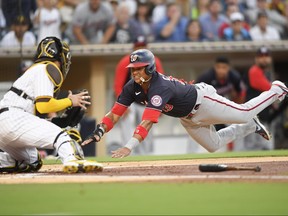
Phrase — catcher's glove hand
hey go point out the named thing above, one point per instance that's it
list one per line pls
(95, 136)
(72, 115)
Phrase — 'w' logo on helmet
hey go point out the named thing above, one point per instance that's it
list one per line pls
(133, 58)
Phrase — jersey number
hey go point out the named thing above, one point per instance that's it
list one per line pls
(170, 78)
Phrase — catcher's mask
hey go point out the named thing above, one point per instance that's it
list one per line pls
(143, 58)
(51, 48)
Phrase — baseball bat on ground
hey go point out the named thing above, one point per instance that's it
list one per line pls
(223, 167)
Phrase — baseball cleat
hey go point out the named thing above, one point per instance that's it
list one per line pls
(85, 166)
(261, 129)
(283, 87)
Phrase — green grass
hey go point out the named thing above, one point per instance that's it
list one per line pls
(274, 153)
(233, 198)
(145, 199)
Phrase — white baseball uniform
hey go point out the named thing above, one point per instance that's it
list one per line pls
(199, 108)
(215, 109)
(21, 132)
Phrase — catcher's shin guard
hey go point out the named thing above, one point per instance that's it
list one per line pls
(78, 151)
(21, 167)
(67, 148)
(27, 168)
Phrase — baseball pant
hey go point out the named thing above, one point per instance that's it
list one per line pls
(21, 133)
(215, 109)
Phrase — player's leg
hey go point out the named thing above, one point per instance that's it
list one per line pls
(16, 157)
(20, 160)
(212, 140)
(9, 165)
(69, 151)
(23, 130)
(215, 109)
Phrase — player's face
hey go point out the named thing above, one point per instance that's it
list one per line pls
(264, 61)
(94, 4)
(137, 73)
(222, 70)
(20, 30)
(237, 26)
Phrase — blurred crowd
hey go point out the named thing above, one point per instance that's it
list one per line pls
(26, 22)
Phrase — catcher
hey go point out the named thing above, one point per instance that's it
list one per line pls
(22, 131)
(68, 119)
(198, 106)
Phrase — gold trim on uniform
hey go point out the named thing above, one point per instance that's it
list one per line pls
(54, 74)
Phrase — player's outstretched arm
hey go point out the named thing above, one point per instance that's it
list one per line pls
(107, 123)
(50, 104)
(140, 133)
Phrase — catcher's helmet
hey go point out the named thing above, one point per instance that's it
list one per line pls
(143, 58)
(52, 48)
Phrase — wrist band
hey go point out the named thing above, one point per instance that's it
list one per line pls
(141, 131)
(108, 122)
(132, 143)
(118, 109)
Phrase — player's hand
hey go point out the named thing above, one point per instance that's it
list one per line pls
(81, 99)
(121, 152)
(90, 139)
(95, 136)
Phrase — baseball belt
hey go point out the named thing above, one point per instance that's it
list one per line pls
(4, 110)
(20, 93)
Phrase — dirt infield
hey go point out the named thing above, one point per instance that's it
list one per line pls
(272, 169)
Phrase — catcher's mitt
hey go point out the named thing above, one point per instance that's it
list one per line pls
(71, 117)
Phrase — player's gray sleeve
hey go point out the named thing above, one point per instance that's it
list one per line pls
(80, 14)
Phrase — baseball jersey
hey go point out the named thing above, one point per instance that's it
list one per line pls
(35, 83)
(166, 94)
(49, 24)
(257, 81)
(93, 24)
(10, 40)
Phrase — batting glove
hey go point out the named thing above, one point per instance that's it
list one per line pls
(99, 132)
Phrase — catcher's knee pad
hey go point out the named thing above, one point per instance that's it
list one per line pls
(75, 135)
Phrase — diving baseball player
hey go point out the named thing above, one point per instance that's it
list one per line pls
(22, 132)
(198, 106)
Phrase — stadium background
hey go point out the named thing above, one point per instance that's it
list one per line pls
(93, 68)
(237, 193)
